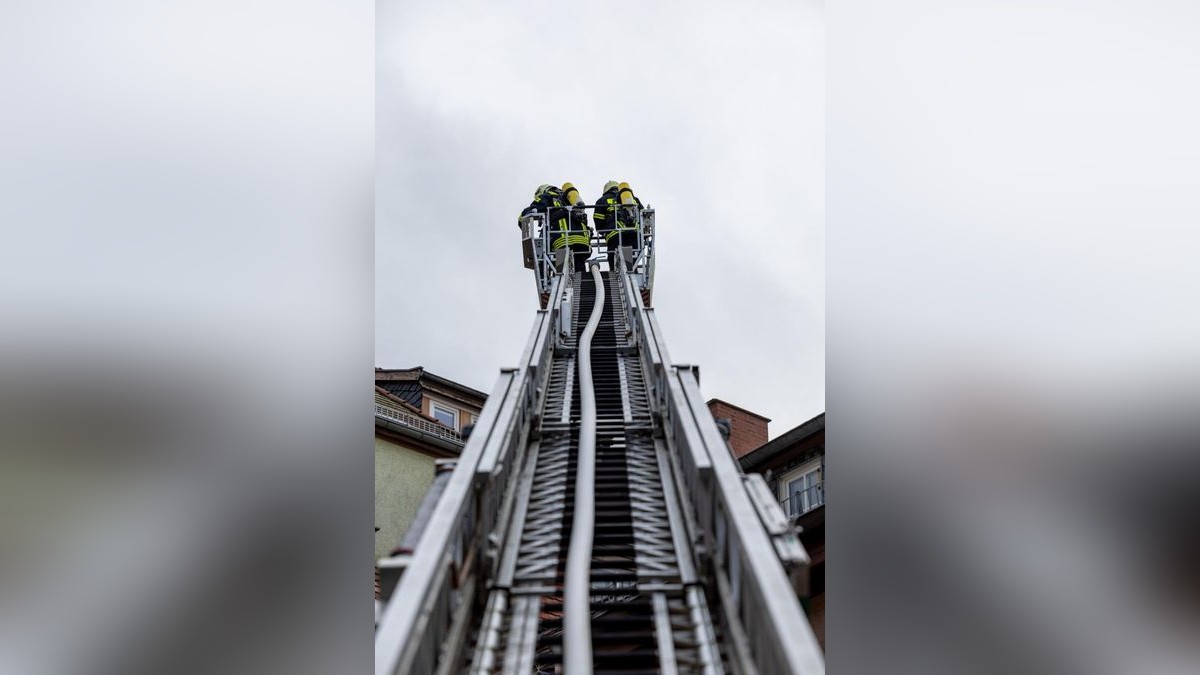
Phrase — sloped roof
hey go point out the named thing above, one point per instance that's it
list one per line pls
(396, 378)
(407, 390)
(784, 442)
(380, 392)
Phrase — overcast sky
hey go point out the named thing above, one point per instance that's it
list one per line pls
(714, 116)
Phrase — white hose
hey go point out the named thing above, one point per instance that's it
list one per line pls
(577, 611)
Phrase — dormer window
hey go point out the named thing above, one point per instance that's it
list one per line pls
(444, 414)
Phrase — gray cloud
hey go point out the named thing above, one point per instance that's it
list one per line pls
(715, 116)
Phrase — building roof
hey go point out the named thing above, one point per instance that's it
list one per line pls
(407, 390)
(738, 407)
(784, 442)
(380, 392)
(404, 382)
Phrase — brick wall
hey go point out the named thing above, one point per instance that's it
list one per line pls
(748, 430)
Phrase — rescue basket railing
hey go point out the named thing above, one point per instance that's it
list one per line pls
(538, 238)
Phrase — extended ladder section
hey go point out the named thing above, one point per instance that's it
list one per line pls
(597, 522)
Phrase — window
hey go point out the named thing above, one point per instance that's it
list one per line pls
(805, 493)
(445, 415)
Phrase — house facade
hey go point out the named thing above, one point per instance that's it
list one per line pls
(419, 418)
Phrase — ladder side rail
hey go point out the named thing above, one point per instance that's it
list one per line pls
(731, 531)
(630, 304)
(411, 633)
(659, 380)
(743, 553)
(540, 351)
(689, 473)
(495, 474)
(651, 348)
(415, 622)
(531, 372)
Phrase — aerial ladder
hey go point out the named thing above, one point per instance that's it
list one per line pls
(596, 521)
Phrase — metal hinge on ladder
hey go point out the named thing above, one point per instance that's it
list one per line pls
(784, 535)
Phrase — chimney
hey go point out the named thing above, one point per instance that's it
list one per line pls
(748, 430)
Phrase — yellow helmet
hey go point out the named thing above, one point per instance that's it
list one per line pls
(610, 185)
(537, 194)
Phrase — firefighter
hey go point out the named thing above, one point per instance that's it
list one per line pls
(580, 238)
(565, 214)
(617, 225)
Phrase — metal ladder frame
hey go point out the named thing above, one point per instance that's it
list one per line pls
(738, 556)
(768, 631)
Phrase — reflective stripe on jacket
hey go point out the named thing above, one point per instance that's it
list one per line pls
(570, 239)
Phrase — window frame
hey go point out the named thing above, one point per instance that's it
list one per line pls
(807, 501)
(434, 407)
